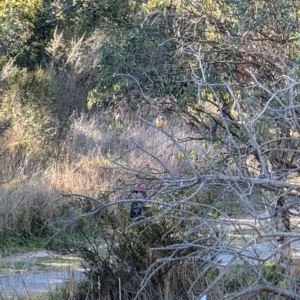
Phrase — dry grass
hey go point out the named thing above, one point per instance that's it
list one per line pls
(95, 157)
(98, 155)
(94, 147)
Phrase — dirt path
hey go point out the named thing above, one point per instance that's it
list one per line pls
(240, 231)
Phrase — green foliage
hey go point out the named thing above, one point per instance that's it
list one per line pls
(69, 290)
(28, 26)
(132, 58)
(181, 155)
(240, 277)
(15, 244)
(15, 15)
(116, 125)
(23, 30)
(125, 250)
(31, 220)
(40, 103)
(191, 155)
(26, 105)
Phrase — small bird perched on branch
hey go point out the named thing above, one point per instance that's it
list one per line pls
(161, 122)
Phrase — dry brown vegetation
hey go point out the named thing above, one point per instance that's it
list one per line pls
(87, 163)
(78, 104)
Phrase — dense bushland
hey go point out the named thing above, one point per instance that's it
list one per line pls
(81, 85)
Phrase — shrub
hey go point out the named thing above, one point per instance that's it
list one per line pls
(127, 255)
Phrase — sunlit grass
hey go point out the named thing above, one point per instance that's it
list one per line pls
(48, 263)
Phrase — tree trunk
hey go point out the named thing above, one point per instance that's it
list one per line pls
(282, 221)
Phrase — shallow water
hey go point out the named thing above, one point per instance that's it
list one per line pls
(25, 283)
